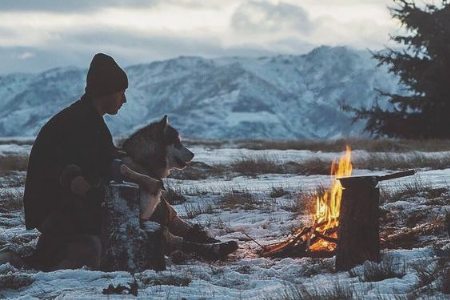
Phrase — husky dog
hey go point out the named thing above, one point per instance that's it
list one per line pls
(151, 153)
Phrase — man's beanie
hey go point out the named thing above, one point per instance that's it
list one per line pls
(105, 77)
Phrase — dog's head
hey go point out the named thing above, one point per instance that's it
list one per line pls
(157, 148)
(178, 156)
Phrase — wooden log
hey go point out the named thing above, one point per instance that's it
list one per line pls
(128, 245)
(358, 233)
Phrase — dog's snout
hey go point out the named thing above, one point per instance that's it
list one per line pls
(191, 155)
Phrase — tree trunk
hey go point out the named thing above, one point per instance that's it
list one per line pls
(128, 245)
(358, 233)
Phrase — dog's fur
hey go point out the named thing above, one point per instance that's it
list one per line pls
(151, 153)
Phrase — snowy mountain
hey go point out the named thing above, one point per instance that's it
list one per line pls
(280, 97)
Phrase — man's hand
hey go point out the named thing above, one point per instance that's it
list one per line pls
(79, 186)
(116, 171)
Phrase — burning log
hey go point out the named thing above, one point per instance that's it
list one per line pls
(298, 245)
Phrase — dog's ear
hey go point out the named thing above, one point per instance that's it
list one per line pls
(163, 123)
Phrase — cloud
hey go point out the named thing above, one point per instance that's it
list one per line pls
(25, 55)
(265, 18)
(78, 6)
(88, 6)
(61, 33)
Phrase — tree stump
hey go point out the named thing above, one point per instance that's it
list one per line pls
(128, 245)
(358, 233)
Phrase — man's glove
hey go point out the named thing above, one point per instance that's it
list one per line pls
(116, 175)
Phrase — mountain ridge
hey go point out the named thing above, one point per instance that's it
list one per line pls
(278, 97)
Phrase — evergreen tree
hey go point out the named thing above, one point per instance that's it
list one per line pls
(423, 66)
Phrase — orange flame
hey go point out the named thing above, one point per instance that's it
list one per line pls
(328, 206)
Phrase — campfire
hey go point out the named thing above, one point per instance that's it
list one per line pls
(320, 239)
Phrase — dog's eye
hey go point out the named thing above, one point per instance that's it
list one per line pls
(177, 143)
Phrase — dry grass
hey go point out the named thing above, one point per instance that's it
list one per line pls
(194, 209)
(425, 271)
(239, 199)
(16, 141)
(254, 166)
(300, 292)
(389, 267)
(278, 192)
(15, 281)
(198, 171)
(307, 200)
(13, 162)
(11, 199)
(444, 282)
(370, 145)
(173, 196)
(418, 187)
(381, 161)
(173, 280)
(250, 166)
(443, 270)
(265, 165)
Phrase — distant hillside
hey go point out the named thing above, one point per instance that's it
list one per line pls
(281, 97)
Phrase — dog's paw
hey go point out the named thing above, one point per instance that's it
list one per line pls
(144, 181)
(125, 171)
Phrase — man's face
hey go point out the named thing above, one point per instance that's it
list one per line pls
(114, 102)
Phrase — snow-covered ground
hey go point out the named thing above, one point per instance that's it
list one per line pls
(407, 204)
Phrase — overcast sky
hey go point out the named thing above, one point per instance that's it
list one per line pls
(36, 35)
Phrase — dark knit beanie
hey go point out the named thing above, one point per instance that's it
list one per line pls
(105, 77)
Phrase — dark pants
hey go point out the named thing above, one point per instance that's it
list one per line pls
(70, 238)
(54, 251)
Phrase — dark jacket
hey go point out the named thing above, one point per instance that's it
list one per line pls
(77, 136)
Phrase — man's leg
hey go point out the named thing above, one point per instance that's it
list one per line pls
(64, 243)
(54, 252)
(82, 250)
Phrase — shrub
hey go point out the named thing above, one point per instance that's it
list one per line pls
(300, 292)
(278, 192)
(425, 271)
(254, 166)
(15, 281)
